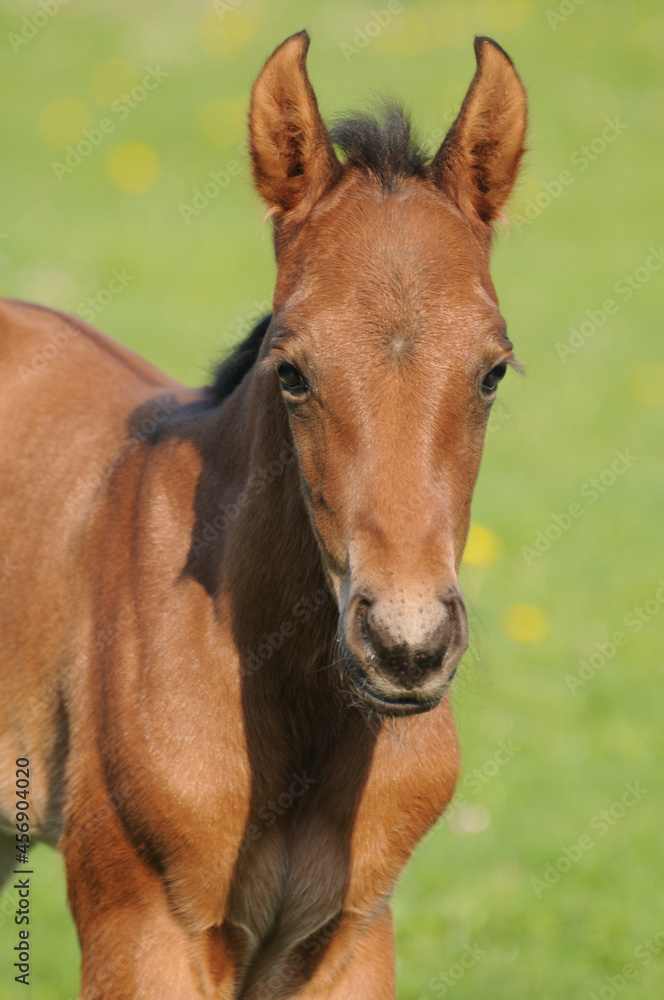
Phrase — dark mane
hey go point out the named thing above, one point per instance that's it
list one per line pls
(230, 372)
(381, 144)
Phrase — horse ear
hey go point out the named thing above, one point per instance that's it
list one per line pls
(293, 159)
(478, 161)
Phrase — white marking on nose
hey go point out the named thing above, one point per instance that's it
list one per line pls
(408, 620)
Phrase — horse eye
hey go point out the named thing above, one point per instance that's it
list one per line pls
(490, 381)
(291, 379)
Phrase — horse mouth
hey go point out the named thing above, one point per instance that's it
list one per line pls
(396, 706)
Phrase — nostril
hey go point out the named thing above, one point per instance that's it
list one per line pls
(361, 616)
(457, 621)
(406, 641)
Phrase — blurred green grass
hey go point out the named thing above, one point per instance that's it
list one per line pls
(194, 285)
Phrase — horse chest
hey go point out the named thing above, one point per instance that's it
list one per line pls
(325, 851)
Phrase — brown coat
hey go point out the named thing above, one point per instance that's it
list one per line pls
(228, 624)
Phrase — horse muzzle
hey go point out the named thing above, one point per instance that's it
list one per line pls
(402, 651)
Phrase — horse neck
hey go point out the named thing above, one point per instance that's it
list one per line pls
(263, 560)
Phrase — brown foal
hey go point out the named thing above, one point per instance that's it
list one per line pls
(230, 616)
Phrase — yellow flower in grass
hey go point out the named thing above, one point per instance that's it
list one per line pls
(483, 547)
(525, 623)
(133, 167)
(646, 384)
(225, 37)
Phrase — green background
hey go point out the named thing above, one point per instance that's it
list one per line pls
(474, 882)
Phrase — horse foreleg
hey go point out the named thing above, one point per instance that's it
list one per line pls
(133, 945)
